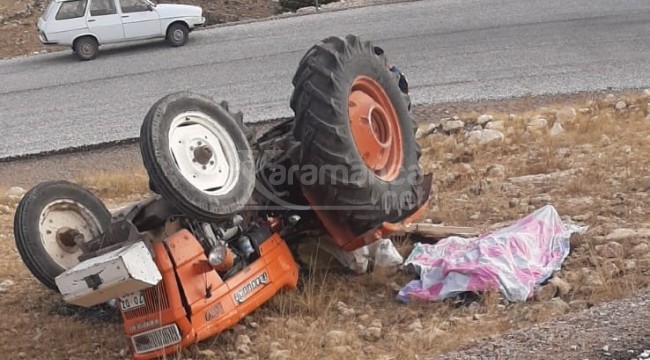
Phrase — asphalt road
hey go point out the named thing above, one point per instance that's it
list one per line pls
(450, 50)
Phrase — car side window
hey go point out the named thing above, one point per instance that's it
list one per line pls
(131, 6)
(102, 7)
(72, 10)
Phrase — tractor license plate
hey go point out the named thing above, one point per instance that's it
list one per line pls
(132, 301)
(156, 339)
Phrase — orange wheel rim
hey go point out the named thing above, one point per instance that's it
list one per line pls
(375, 128)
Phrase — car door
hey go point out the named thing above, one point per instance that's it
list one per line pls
(104, 21)
(138, 20)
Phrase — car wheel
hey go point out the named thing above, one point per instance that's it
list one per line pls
(46, 220)
(86, 48)
(177, 34)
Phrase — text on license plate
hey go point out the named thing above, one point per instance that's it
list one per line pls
(132, 301)
(156, 339)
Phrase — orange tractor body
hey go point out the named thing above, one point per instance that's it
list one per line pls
(193, 303)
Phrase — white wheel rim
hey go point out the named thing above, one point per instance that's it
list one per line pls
(58, 215)
(214, 170)
(178, 35)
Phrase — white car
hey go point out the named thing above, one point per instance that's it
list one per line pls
(84, 25)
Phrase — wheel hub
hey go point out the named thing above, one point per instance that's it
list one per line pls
(204, 153)
(375, 128)
(60, 223)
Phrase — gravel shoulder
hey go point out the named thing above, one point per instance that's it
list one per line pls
(619, 329)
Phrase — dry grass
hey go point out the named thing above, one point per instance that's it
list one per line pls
(608, 193)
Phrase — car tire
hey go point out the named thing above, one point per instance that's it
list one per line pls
(177, 34)
(86, 48)
(40, 218)
(197, 156)
(328, 76)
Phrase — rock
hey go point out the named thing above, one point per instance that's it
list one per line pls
(342, 350)
(5, 285)
(415, 325)
(344, 309)
(546, 292)
(495, 125)
(280, 355)
(334, 337)
(484, 119)
(629, 265)
(563, 287)
(484, 137)
(579, 304)
(584, 110)
(209, 354)
(4, 209)
(242, 340)
(15, 192)
(639, 250)
(621, 235)
(489, 136)
(566, 116)
(610, 98)
(620, 105)
(452, 125)
(376, 323)
(537, 124)
(306, 10)
(372, 333)
(540, 200)
(556, 130)
(496, 171)
(244, 349)
(364, 317)
(611, 250)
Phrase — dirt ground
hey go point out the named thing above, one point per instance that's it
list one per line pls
(588, 158)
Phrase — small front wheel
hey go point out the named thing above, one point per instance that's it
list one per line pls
(177, 34)
(86, 48)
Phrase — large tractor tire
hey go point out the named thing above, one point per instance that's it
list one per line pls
(44, 223)
(197, 156)
(356, 133)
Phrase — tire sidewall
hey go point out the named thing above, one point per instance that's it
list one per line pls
(366, 63)
(170, 34)
(26, 225)
(181, 191)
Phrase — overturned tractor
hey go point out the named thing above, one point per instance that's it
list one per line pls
(216, 238)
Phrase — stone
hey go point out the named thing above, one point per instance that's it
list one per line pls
(342, 350)
(15, 192)
(280, 355)
(484, 119)
(612, 249)
(621, 235)
(579, 304)
(452, 125)
(495, 125)
(629, 265)
(496, 171)
(372, 333)
(489, 136)
(640, 250)
(242, 340)
(610, 98)
(546, 292)
(415, 325)
(334, 337)
(537, 124)
(209, 354)
(244, 349)
(540, 200)
(306, 10)
(376, 323)
(621, 105)
(563, 287)
(556, 130)
(4, 209)
(566, 116)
